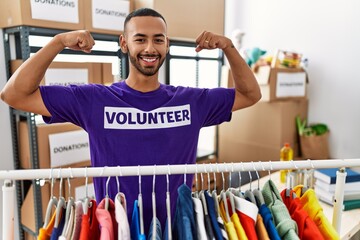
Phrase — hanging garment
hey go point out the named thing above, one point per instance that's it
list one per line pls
(218, 216)
(45, 233)
(184, 221)
(247, 212)
(211, 210)
(229, 226)
(77, 221)
(135, 224)
(312, 206)
(89, 225)
(307, 227)
(107, 220)
(207, 220)
(285, 226)
(158, 233)
(260, 228)
(269, 222)
(69, 227)
(199, 219)
(121, 216)
(56, 233)
(240, 231)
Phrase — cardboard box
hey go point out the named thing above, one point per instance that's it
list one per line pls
(257, 133)
(44, 151)
(64, 73)
(282, 83)
(106, 16)
(48, 14)
(107, 76)
(27, 208)
(187, 19)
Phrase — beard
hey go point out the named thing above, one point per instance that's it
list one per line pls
(147, 71)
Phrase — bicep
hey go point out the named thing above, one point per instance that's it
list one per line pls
(241, 101)
(34, 103)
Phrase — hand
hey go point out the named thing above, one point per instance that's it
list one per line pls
(80, 40)
(209, 40)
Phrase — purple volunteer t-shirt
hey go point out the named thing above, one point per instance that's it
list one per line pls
(130, 128)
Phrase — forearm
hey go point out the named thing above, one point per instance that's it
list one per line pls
(244, 79)
(28, 76)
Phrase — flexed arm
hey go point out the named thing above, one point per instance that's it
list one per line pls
(22, 90)
(246, 86)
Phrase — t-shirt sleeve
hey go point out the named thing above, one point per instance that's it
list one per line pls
(70, 103)
(216, 105)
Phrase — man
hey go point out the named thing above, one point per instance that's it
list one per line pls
(137, 121)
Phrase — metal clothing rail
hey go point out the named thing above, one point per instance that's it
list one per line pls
(29, 174)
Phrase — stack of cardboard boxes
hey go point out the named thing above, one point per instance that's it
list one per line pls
(257, 133)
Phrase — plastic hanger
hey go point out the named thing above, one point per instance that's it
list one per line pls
(168, 205)
(61, 204)
(140, 204)
(70, 204)
(290, 181)
(259, 198)
(230, 195)
(52, 202)
(306, 178)
(248, 193)
(223, 198)
(107, 193)
(154, 232)
(87, 203)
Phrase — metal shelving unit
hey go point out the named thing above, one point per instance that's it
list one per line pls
(16, 44)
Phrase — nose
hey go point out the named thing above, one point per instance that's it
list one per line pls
(150, 47)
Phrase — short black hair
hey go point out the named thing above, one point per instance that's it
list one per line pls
(143, 12)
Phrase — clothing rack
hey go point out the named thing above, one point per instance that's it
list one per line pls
(29, 174)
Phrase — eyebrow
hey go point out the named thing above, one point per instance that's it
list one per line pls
(144, 35)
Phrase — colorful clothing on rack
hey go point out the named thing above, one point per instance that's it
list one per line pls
(45, 233)
(56, 233)
(165, 122)
(77, 220)
(247, 212)
(260, 228)
(285, 226)
(229, 225)
(107, 220)
(69, 224)
(184, 220)
(199, 219)
(307, 228)
(213, 215)
(207, 220)
(135, 230)
(269, 222)
(155, 231)
(89, 225)
(312, 206)
(219, 218)
(121, 216)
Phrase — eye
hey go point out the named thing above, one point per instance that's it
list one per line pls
(159, 40)
(140, 40)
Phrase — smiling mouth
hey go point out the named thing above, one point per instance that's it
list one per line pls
(149, 59)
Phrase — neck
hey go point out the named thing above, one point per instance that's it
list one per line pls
(143, 83)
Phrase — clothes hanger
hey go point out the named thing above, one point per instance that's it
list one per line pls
(87, 203)
(215, 195)
(306, 178)
(259, 198)
(290, 181)
(154, 232)
(168, 205)
(61, 204)
(140, 204)
(223, 198)
(52, 202)
(248, 193)
(69, 206)
(229, 193)
(107, 193)
(237, 192)
(195, 194)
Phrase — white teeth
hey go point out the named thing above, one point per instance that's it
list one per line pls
(149, 59)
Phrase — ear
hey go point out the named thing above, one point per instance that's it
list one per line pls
(123, 44)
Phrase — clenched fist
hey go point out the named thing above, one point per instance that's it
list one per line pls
(80, 40)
